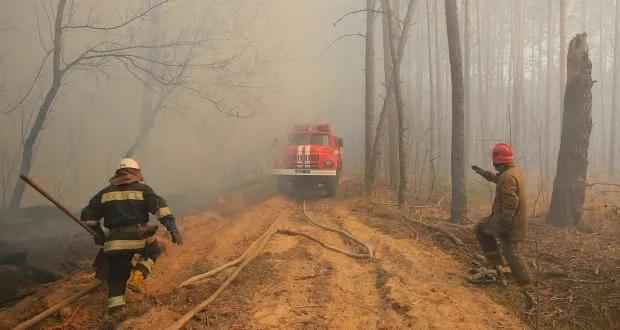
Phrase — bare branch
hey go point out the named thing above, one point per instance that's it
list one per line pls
(120, 25)
(343, 37)
(40, 33)
(355, 12)
(217, 104)
(161, 46)
(31, 88)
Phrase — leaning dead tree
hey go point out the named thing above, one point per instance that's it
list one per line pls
(96, 58)
(459, 200)
(570, 181)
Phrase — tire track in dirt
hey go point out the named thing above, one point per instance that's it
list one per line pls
(420, 285)
(297, 284)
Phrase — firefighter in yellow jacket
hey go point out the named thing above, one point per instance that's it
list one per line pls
(507, 224)
(125, 206)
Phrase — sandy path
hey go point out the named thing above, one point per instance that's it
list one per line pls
(295, 283)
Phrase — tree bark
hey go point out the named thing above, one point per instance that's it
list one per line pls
(548, 109)
(391, 153)
(369, 111)
(389, 87)
(562, 51)
(570, 181)
(459, 199)
(44, 109)
(517, 77)
(477, 147)
(603, 157)
(431, 109)
(396, 61)
(467, 82)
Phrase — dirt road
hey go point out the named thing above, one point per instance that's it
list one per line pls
(294, 283)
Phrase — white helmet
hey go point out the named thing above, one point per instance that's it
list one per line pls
(129, 163)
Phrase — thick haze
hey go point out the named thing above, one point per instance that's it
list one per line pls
(277, 69)
(277, 60)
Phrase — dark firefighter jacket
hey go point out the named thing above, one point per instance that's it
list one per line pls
(125, 209)
(510, 204)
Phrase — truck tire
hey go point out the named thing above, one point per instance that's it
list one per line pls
(332, 185)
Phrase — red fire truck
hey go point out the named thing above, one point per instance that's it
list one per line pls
(312, 158)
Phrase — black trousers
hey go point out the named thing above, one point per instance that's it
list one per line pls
(120, 267)
(118, 273)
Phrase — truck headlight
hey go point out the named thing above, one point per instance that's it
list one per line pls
(328, 163)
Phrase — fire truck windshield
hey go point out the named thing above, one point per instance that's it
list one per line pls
(301, 139)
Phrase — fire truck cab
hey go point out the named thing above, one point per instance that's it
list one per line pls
(312, 158)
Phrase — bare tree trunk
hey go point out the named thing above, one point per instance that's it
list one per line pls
(477, 147)
(391, 153)
(439, 83)
(570, 181)
(562, 51)
(614, 98)
(467, 80)
(602, 83)
(396, 61)
(44, 109)
(517, 77)
(548, 109)
(389, 90)
(370, 92)
(431, 83)
(459, 199)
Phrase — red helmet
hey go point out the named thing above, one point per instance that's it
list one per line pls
(502, 154)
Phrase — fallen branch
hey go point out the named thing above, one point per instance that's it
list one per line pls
(48, 312)
(251, 255)
(438, 229)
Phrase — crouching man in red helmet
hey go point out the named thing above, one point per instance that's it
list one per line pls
(507, 224)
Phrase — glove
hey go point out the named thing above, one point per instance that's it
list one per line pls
(99, 239)
(176, 237)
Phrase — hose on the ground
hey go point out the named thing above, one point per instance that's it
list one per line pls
(250, 254)
(53, 309)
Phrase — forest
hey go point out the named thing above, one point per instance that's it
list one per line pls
(421, 92)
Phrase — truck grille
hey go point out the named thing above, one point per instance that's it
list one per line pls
(307, 158)
(304, 161)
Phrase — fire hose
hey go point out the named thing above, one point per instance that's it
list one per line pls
(252, 252)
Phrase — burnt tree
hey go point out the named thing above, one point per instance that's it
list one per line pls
(570, 181)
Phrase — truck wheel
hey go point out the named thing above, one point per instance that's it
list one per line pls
(332, 186)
